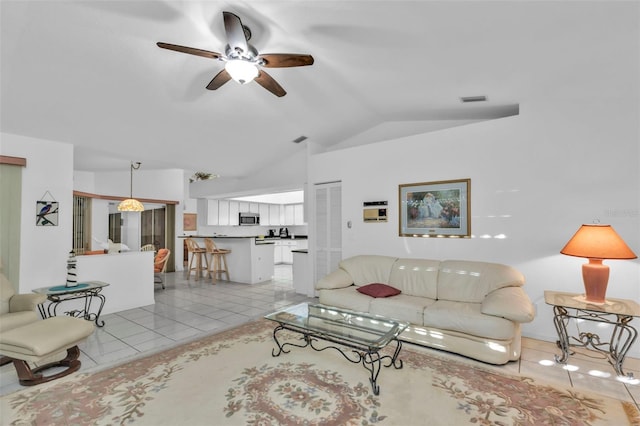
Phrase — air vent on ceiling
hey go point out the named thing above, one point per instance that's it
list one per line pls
(467, 99)
(299, 139)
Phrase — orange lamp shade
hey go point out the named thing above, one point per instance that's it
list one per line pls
(597, 242)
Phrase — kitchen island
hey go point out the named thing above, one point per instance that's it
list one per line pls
(251, 259)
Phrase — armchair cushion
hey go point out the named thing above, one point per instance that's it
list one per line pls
(160, 259)
(13, 320)
(25, 302)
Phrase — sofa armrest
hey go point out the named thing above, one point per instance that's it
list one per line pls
(511, 303)
(337, 279)
(25, 302)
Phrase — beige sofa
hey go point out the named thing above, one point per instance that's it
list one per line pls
(470, 308)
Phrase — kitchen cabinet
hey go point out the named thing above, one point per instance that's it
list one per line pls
(264, 214)
(289, 214)
(274, 215)
(298, 214)
(234, 209)
(283, 249)
(248, 262)
(207, 212)
(277, 254)
(223, 212)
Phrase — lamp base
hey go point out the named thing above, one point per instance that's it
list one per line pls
(596, 277)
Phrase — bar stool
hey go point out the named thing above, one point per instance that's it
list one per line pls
(218, 262)
(198, 253)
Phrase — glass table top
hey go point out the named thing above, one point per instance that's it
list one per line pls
(62, 289)
(577, 301)
(355, 327)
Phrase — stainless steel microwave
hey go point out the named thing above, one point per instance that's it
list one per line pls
(249, 219)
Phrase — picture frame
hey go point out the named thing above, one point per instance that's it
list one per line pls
(47, 213)
(435, 209)
(189, 222)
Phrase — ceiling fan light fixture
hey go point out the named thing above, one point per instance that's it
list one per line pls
(241, 71)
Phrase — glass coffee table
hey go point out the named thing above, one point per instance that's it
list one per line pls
(365, 334)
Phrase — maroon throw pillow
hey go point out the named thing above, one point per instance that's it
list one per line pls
(378, 290)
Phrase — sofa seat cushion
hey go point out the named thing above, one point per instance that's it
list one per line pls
(467, 318)
(17, 319)
(416, 277)
(378, 290)
(401, 307)
(347, 298)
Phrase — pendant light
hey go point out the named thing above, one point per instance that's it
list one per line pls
(131, 204)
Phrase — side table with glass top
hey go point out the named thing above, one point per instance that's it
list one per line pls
(617, 312)
(86, 290)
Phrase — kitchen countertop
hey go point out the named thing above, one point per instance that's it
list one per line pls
(297, 237)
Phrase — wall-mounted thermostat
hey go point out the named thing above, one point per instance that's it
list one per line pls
(374, 211)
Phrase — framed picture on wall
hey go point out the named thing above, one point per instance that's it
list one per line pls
(46, 213)
(435, 209)
(189, 221)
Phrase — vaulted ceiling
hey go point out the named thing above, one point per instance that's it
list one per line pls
(89, 73)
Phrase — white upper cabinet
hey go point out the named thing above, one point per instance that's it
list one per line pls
(289, 214)
(264, 214)
(274, 215)
(207, 212)
(223, 212)
(298, 214)
(234, 209)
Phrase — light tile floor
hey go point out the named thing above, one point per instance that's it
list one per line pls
(187, 309)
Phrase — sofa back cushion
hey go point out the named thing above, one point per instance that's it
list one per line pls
(468, 281)
(416, 277)
(367, 269)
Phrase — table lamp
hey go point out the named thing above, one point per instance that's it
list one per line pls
(597, 242)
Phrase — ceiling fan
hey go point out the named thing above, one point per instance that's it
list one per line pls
(243, 63)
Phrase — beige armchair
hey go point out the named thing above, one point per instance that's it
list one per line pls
(17, 310)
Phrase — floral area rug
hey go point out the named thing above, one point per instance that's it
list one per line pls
(231, 378)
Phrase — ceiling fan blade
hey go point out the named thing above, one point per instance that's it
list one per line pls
(190, 50)
(282, 60)
(221, 78)
(266, 81)
(235, 32)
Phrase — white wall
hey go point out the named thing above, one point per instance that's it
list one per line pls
(43, 249)
(168, 185)
(288, 174)
(535, 178)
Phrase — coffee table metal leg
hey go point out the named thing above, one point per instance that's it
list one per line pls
(370, 359)
(281, 346)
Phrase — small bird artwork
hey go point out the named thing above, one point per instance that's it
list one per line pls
(46, 211)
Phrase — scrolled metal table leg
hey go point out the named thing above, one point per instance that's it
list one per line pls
(559, 321)
(281, 346)
(622, 338)
(372, 361)
(103, 300)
